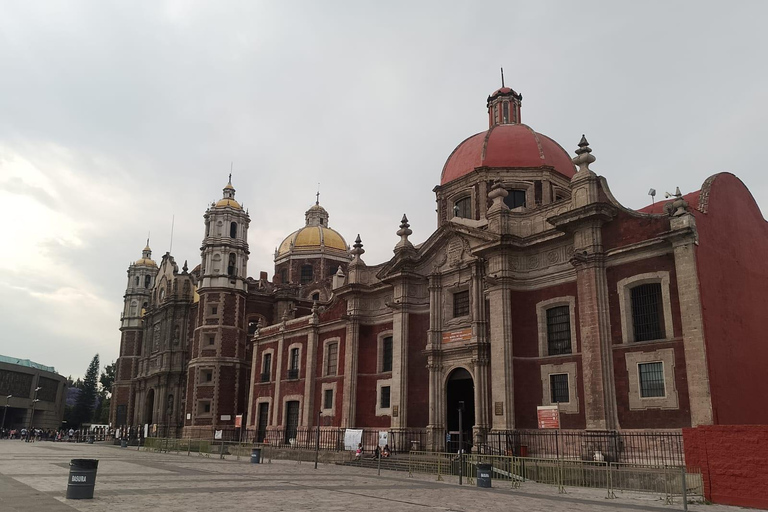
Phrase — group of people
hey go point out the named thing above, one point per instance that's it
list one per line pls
(378, 452)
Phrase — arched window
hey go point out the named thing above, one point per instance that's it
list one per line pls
(306, 274)
(207, 228)
(231, 266)
(316, 296)
(147, 281)
(133, 308)
(505, 109)
(463, 208)
(283, 276)
(233, 230)
(515, 199)
(136, 281)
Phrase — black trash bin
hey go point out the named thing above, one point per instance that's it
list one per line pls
(82, 479)
(123, 443)
(484, 475)
(256, 456)
(90, 440)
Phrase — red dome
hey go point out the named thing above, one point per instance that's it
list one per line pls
(506, 145)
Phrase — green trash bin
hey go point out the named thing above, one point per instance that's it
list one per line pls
(82, 479)
(484, 475)
(256, 456)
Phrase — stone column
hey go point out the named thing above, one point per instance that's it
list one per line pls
(594, 322)
(502, 372)
(691, 320)
(278, 376)
(436, 426)
(400, 319)
(480, 360)
(350, 371)
(309, 413)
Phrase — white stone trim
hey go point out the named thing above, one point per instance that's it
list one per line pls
(379, 410)
(300, 346)
(625, 303)
(327, 342)
(380, 350)
(324, 387)
(570, 369)
(541, 316)
(666, 356)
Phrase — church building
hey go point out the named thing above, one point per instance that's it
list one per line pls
(536, 288)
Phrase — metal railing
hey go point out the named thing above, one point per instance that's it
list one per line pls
(652, 448)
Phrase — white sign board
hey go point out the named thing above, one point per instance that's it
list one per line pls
(146, 430)
(383, 439)
(226, 417)
(218, 434)
(352, 437)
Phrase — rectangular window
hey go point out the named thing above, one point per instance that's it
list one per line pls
(205, 407)
(515, 199)
(331, 359)
(306, 274)
(558, 330)
(386, 354)
(461, 303)
(463, 208)
(647, 312)
(207, 376)
(558, 385)
(651, 380)
(214, 310)
(211, 339)
(266, 368)
(328, 399)
(384, 401)
(293, 369)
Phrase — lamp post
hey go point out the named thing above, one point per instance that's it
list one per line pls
(317, 440)
(32, 415)
(7, 401)
(461, 442)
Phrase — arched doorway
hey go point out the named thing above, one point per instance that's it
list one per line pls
(460, 391)
(149, 408)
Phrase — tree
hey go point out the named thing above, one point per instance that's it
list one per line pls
(107, 378)
(86, 400)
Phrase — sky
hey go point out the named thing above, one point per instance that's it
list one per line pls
(118, 119)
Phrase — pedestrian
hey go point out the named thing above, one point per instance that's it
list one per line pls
(359, 452)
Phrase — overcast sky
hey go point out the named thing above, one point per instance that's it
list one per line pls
(114, 117)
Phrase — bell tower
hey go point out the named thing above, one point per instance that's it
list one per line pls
(141, 280)
(217, 374)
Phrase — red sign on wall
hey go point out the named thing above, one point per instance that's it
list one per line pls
(460, 335)
(549, 416)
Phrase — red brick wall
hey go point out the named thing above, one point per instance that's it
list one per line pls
(627, 229)
(732, 459)
(733, 276)
(365, 413)
(418, 375)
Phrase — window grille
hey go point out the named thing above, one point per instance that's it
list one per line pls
(558, 330)
(384, 402)
(463, 208)
(461, 303)
(647, 312)
(306, 274)
(651, 380)
(386, 354)
(558, 385)
(515, 198)
(331, 359)
(328, 399)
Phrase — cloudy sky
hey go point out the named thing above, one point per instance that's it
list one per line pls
(117, 116)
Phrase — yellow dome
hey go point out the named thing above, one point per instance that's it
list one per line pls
(229, 202)
(146, 262)
(311, 238)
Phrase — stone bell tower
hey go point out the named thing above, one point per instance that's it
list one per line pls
(217, 376)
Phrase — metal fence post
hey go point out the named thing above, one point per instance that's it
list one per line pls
(685, 489)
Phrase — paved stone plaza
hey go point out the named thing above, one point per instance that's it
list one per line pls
(33, 477)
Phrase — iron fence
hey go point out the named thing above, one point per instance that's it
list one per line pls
(652, 448)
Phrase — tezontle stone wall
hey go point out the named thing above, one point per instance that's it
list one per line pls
(733, 460)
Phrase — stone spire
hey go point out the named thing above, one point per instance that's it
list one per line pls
(357, 250)
(404, 232)
(584, 157)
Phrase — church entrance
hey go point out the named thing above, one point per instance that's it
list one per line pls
(149, 409)
(460, 394)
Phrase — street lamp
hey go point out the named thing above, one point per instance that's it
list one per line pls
(32, 416)
(7, 401)
(461, 442)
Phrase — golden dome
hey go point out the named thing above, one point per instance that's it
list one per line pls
(146, 262)
(229, 202)
(311, 238)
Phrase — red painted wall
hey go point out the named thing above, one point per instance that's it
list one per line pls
(418, 375)
(733, 276)
(732, 460)
(365, 414)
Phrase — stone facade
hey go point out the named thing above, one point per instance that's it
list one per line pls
(538, 287)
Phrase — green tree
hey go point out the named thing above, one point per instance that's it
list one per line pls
(107, 378)
(86, 400)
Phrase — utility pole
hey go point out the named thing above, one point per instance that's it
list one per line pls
(32, 416)
(317, 439)
(7, 401)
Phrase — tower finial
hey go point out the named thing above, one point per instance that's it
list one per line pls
(502, 77)
(317, 200)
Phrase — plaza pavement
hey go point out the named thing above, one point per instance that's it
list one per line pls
(33, 477)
